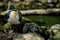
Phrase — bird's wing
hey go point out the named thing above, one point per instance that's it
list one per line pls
(20, 15)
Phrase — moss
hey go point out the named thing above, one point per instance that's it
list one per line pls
(5, 27)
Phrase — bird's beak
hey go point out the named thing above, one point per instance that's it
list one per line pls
(15, 14)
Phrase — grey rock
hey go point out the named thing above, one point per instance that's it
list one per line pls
(31, 27)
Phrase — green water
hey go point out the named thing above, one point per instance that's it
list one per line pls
(45, 20)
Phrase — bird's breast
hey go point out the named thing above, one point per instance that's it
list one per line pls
(14, 20)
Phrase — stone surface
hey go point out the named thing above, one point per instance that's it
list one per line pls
(29, 36)
(55, 28)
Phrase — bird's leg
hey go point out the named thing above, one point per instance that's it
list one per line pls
(16, 28)
(10, 28)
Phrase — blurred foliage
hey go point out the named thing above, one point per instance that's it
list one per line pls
(41, 4)
(5, 27)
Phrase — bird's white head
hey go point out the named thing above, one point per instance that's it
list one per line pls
(14, 13)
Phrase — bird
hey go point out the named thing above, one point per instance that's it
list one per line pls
(14, 17)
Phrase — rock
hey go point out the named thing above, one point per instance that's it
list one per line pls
(6, 36)
(57, 37)
(29, 36)
(55, 28)
(10, 32)
(31, 27)
(55, 32)
(34, 28)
